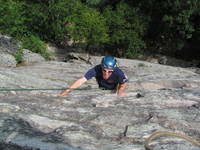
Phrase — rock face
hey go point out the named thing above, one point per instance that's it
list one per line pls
(8, 50)
(8, 44)
(29, 57)
(8, 47)
(7, 60)
(158, 98)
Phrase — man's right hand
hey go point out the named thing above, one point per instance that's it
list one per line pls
(75, 85)
(64, 93)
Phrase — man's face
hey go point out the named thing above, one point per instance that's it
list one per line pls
(106, 73)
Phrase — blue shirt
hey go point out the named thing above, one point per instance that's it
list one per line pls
(117, 77)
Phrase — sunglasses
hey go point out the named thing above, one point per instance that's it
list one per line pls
(107, 71)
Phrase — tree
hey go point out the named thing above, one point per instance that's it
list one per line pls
(126, 29)
(89, 26)
(12, 19)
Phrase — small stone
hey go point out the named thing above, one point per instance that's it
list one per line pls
(94, 105)
(139, 95)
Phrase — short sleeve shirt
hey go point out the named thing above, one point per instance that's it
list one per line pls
(117, 77)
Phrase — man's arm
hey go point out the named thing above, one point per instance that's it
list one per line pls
(75, 85)
(121, 89)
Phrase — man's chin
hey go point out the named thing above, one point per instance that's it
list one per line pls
(105, 78)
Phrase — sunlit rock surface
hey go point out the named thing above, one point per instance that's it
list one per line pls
(158, 98)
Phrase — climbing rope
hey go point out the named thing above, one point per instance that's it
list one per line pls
(166, 133)
(31, 89)
(46, 89)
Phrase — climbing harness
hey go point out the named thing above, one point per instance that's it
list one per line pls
(166, 133)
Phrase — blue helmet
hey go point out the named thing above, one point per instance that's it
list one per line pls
(109, 62)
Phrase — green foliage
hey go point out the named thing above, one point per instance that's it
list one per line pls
(12, 19)
(126, 28)
(60, 20)
(89, 26)
(19, 55)
(173, 24)
(135, 47)
(95, 2)
(34, 44)
(59, 13)
(141, 65)
(121, 26)
(177, 21)
(37, 19)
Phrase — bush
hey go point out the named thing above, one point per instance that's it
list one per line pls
(12, 19)
(36, 19)
(175, 25)
(58, 21)
(34, 44)
(135, 47)
(126, 28)
(89, 26)
(19, 55)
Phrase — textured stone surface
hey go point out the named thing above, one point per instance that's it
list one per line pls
(8, 48)
(7, 60)
(8, 44)
(158, 98)
(30, 57)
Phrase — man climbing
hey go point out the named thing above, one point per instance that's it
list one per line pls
(107, 74)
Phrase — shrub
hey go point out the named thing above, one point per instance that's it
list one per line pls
(12, 19)
(126, 28)
(88, 25)
(19, 55)
(135, 47)
(58, 21)
(34, 44)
